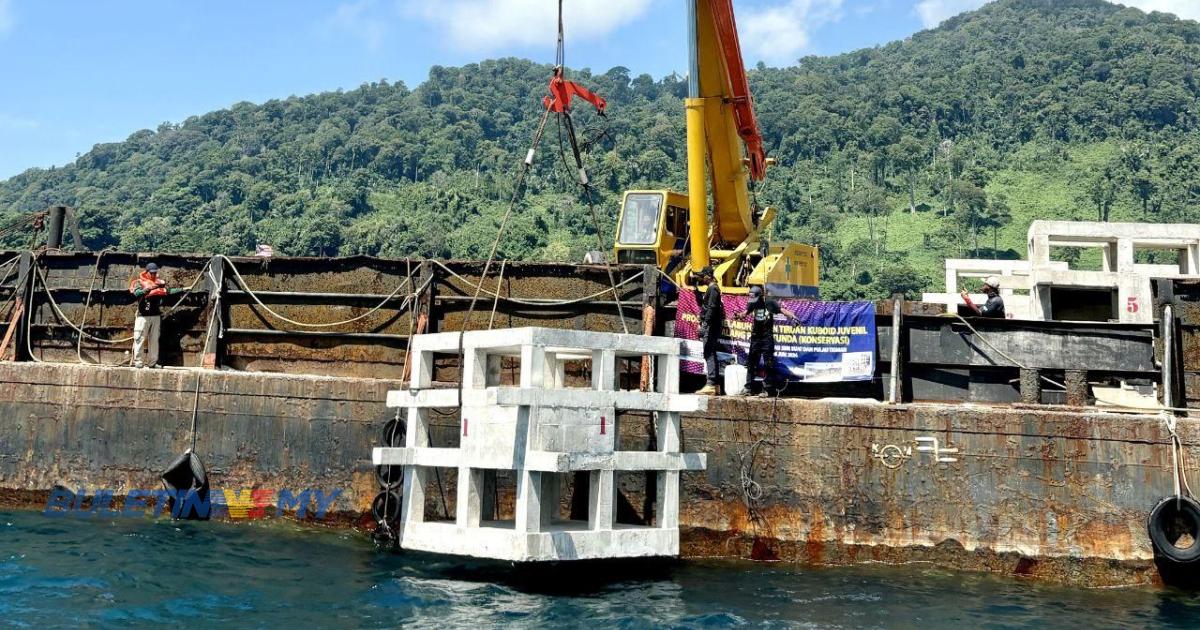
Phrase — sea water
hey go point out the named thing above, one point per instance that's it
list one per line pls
(73, 572)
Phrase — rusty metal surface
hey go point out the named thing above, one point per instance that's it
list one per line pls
(1056, 494)
(1061, 488)
(86, 427)
(92, 289)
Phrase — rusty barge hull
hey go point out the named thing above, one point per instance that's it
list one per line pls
(1042, 484)
(1058, 493)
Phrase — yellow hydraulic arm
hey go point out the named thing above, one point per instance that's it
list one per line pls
(725, 154)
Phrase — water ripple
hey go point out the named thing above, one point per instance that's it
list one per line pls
(154, 573)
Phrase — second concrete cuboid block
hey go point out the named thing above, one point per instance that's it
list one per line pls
(541, 432)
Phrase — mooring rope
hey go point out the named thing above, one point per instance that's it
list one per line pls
(412, 322)
(1002, 353)
(195, 412)
(40, 274)
(242, 282)
(83, 317)
(527, 302)
(496, 301)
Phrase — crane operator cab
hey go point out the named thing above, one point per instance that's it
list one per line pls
(653, 229)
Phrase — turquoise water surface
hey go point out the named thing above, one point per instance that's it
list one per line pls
(71, 572)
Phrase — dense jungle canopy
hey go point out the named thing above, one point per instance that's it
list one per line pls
(892, 158)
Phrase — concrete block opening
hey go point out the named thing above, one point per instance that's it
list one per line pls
(634, 431)
(629, 371)
(568, 369)
(635, 498)
(537, 475)
(498, 493)
(1084, 257)
(1174, 258)
(503, 371)
(440, 489)
(1081, 304)
(564, 501)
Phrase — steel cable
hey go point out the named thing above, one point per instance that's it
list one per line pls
(516, 300)
(242, 282)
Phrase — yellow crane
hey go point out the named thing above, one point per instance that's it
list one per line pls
(677, 231)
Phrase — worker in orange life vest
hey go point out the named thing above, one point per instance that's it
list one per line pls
(149, 290)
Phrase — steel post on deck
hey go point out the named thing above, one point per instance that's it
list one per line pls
(429, 279)
(211, 358)
(649, 321)
(1167, 321)
(22, 310)
(895, 391)
(58, 215)
(1031, 386)
(422, 310)
(1076, 383)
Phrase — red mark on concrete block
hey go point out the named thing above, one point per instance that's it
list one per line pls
(464, 427)
(601, 425)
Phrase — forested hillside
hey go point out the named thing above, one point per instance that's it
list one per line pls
(943, 145)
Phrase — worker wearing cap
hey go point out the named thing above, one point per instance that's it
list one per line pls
(994, 307)
(762, 311)
(712, 318)
(149, 290)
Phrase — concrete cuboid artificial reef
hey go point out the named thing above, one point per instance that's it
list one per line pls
(541, 431)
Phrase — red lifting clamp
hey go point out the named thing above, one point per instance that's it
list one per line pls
(562, 90)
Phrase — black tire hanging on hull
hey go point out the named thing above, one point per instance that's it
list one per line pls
(389, 476)
(187, 482)
(386, 507)
(386, 511)
(1169, 521)
(393, 433)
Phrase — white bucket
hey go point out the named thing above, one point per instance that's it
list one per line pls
(735, 378)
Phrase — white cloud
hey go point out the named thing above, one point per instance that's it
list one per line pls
(1187, 9)
(934, 12)
(6, 17)
(359, 20)
(780, 32)
(489, 24)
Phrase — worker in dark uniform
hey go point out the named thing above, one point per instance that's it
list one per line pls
(994, 307)
(712, 318)
(149, 290)
(762, 311)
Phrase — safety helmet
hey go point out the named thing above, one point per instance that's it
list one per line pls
(992, 281)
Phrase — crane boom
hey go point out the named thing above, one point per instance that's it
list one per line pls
(716, 223)
(739, 98)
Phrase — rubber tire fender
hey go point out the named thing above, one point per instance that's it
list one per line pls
(393, 433)
(389, 476)
(1160, 520)
(391, 513)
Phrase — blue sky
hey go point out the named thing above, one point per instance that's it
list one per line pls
(74, 73)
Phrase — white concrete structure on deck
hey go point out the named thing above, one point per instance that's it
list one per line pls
(1015, 283)
(543, 432)
(1028, 286)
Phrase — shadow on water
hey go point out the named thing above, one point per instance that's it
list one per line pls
(564, 579)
